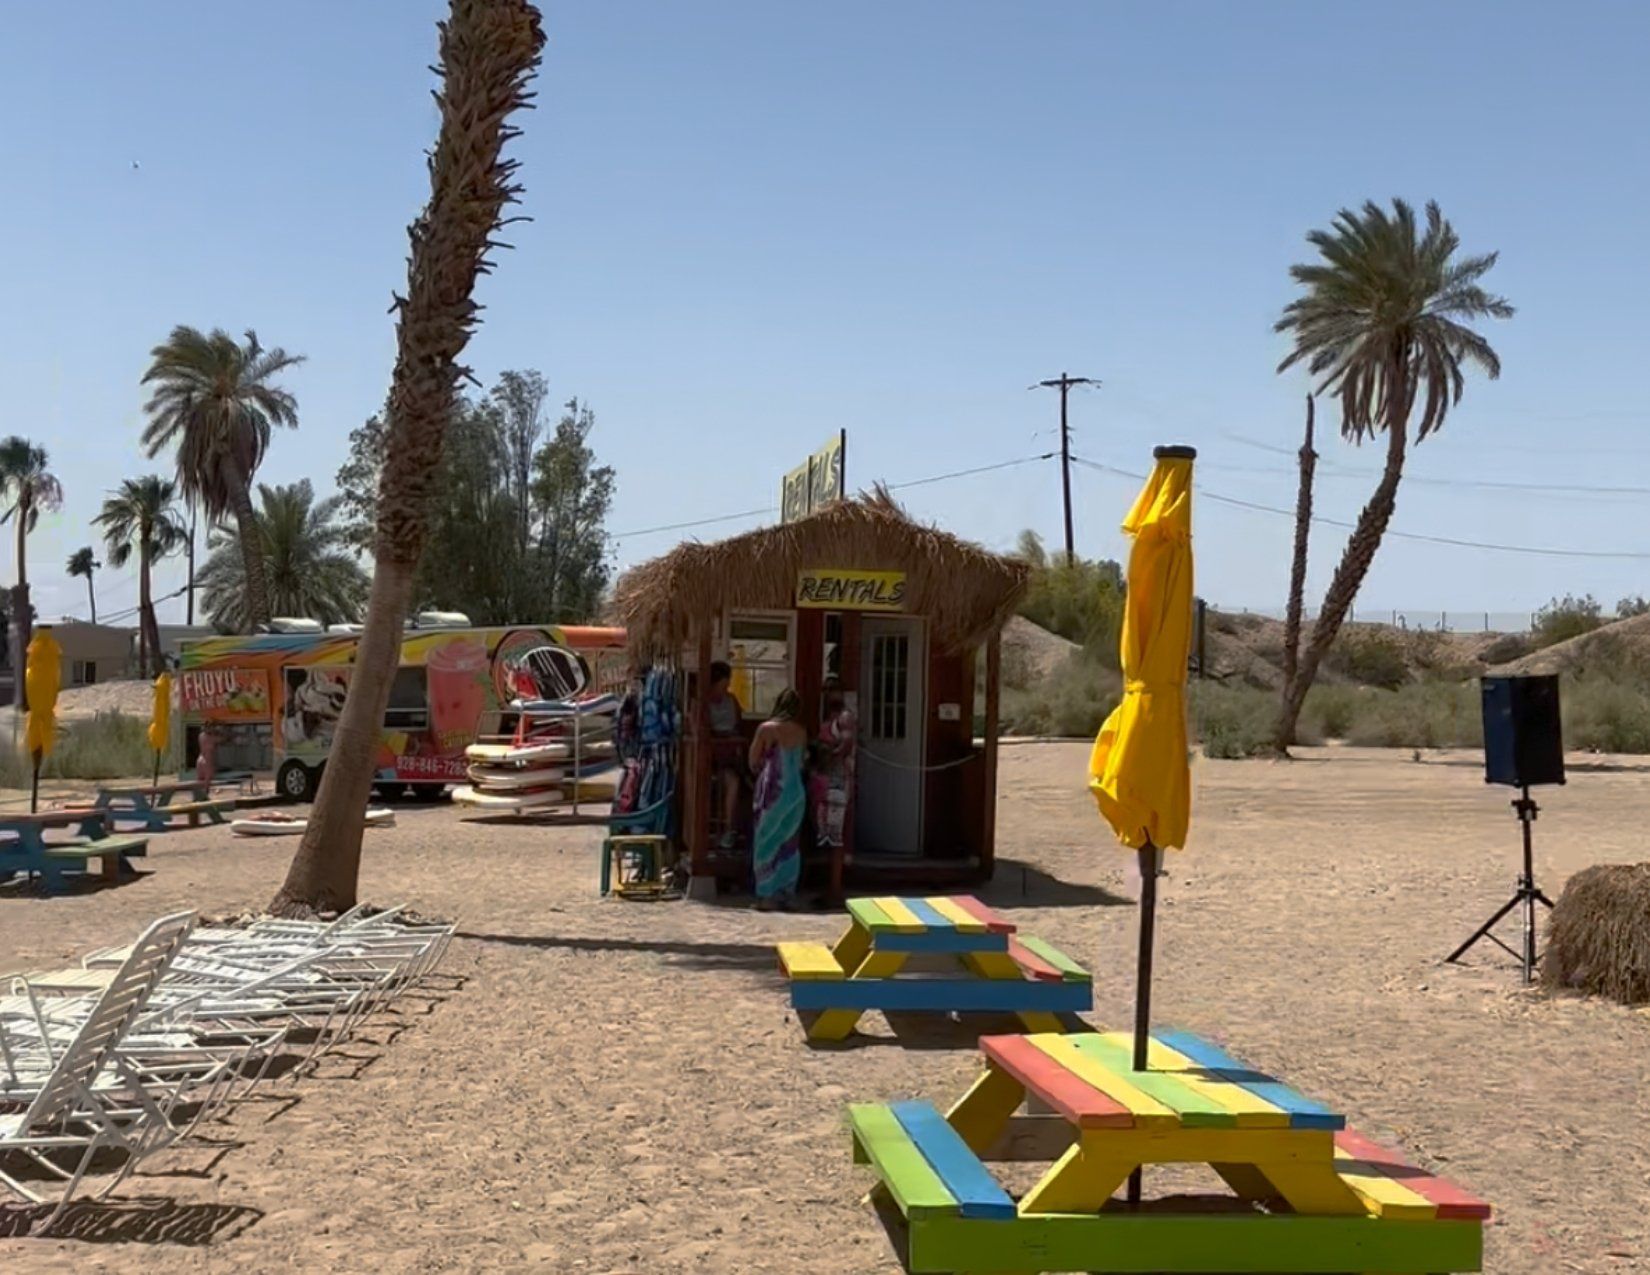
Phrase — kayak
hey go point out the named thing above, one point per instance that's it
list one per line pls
(535, 754)
(531, 798)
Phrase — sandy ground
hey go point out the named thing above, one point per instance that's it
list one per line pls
(620, 1087)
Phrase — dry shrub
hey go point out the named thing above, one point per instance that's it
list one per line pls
(1599, 938)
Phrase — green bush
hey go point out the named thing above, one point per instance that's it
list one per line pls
(1371, 655)
(1330, 710)
(1232, 721)
(109, 746)
(1433, 715)
(1565, 618)
(1071, 703)
(1082, 600)
(1606, 715)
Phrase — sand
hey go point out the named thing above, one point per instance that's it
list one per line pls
(620, 1087)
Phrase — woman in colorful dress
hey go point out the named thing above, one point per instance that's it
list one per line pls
(781, 801)
(832, 781)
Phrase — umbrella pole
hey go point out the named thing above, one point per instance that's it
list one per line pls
(34, 789)
(1143, 977)
(154, 784)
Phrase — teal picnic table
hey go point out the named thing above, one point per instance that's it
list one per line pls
(994, 968)
(153, 805)
(25, 848)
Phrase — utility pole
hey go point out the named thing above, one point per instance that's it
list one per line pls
(1063, 383)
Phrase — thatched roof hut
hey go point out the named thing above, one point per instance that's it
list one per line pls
(966, 592)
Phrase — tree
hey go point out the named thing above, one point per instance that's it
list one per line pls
(571, 495)
(142, 518)
(1297, 568)
(27, 486)
(519, 398)
(1381, 323)
(304, 548)
(83, 562)
(475, 558)
(489, 54)
(216, 403)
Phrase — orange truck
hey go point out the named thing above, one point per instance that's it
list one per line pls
(273, 699)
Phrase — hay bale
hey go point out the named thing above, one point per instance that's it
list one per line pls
(1599, 939)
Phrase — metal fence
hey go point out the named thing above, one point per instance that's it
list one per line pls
(1435, 621)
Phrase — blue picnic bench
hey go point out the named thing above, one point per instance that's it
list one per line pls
(27, 850)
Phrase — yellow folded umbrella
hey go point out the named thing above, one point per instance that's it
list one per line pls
(42, 675)
(160, 722)
(1139, 772)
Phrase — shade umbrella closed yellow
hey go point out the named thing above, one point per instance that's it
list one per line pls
(1139, 772)
(160, 721)
(42, 673)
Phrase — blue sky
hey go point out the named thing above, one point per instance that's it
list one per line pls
(757, 223)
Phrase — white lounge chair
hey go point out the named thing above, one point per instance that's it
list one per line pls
(69, 1112)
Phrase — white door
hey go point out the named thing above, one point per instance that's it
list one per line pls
(892, 694)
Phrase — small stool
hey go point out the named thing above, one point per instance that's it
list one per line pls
(641, 864)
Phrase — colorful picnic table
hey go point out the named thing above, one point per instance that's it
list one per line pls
(152, 805)
(28, 850)
(1308, 1194)
(994, 969)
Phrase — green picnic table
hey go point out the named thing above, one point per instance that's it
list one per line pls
(153, 805)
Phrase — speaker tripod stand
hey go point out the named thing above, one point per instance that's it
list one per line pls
(1527, 894)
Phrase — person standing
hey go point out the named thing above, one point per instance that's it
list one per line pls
(206, 759)
(726, 746)
(832, 780)
(780, 803)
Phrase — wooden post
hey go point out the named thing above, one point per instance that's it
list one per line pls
(699, 831)
(993, 698)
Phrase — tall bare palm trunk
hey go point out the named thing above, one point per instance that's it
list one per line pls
(149, 654)
(1297, 569)
(22, 613)
(489, 51)
(252, 553)
(1354, 565)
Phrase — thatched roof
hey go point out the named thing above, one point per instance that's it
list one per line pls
(965, 591)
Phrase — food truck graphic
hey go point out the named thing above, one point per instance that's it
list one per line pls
(278, 696)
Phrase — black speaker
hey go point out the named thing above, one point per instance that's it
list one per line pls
(1523, 744)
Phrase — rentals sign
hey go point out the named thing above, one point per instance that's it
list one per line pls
(837, 590)
(815, 483)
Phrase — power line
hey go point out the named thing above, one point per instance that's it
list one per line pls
(1422, 479)
(769, 509)
(1537, 550)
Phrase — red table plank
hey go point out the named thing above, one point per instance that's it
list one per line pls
(994, 923)
(1074, 1098)
(1033, 964)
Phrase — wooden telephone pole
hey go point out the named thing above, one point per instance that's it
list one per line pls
(1063, 383)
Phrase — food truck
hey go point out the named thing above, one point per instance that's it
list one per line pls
(274, 699)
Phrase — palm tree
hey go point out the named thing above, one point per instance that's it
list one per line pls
(27, 486)
(142, 517)
(489, 54)
(304, 548)
(83, 562)
(1381, 323)
(216, 403)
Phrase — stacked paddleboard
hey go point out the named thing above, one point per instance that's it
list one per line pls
(554, 759)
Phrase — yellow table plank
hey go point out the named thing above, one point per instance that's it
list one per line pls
(1147, 1111)
(905, 920)
(1385, 1197)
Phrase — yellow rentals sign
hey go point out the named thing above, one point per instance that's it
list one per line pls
(839, 590)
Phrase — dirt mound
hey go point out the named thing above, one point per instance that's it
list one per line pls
(1031, 653)
(81, 703)
(1247, 650)
(1622, 643)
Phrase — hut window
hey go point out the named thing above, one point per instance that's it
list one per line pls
(890, 674)
(759, 651)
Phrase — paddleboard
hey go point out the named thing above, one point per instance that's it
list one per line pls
(533, 754)
(530, 799)
(273, 823)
